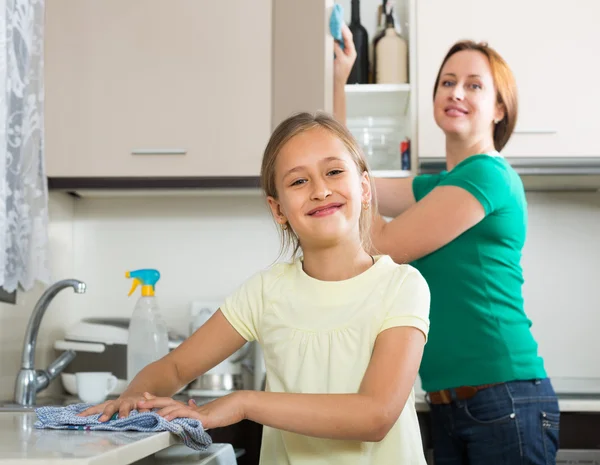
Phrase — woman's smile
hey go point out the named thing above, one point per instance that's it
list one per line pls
(455, 111)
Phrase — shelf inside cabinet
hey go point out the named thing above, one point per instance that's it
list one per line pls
(376, 88)
(378, 99)
(392, 173)
(379, 117)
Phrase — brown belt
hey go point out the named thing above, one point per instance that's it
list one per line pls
(460, 393)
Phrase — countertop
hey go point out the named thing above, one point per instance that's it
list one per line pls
(22, 444)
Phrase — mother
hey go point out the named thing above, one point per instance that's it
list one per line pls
(464, 230)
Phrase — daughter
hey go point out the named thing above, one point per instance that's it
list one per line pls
(342, 331)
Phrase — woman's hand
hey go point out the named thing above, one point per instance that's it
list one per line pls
(344, 59)
(123, 405)
(224, 411)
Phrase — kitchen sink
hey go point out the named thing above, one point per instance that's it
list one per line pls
(10, 406)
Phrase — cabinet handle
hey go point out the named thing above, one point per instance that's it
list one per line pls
(159, 152)
(535, 131)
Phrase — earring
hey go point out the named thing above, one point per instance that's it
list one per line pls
(366, 205)
(283, 226)
(496, 121)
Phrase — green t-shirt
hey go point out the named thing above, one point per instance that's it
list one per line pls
(479, 332)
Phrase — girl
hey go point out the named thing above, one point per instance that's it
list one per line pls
(464, 229)
(342, 331)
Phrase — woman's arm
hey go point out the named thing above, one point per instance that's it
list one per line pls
(394, 195)
(439, 218)
(366, 416)
(342, 65)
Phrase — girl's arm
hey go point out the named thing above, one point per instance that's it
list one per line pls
(212, 343)
(439, 218)
(366, 416)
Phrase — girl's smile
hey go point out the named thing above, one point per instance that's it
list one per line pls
(325, 210)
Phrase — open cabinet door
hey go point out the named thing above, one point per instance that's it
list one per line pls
(302, 64)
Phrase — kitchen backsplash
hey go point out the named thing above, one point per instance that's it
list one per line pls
(204, 246)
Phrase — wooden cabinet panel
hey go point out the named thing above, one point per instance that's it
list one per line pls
(152, 88)
(302, 57)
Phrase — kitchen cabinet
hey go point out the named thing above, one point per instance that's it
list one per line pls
(379, 115)
(157, 89)
(551, 48)
(302, 58)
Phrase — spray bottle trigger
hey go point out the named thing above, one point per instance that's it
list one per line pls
(134, 285)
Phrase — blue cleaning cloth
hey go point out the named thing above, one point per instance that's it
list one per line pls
(336, 20)
(190, 431)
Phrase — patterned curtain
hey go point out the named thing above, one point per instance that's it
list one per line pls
(23, 187)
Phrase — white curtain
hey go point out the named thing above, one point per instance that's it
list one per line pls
(23, 188)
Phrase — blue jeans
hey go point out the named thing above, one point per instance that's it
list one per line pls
(512, 423)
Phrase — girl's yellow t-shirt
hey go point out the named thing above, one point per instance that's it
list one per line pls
(317, 337)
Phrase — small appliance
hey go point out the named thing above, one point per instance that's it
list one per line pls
(100, 345)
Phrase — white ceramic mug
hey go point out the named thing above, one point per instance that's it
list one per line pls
(93, 387)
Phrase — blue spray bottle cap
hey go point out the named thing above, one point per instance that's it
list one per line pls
(146, 277)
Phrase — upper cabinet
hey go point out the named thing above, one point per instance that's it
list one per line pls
(155, 88)
(382, 116)
(188, 88)
(552, 49)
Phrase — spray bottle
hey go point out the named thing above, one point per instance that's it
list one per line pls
(148, 340)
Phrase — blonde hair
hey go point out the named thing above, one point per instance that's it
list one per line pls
(285, 131)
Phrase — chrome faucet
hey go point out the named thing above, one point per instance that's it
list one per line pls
(29, 380)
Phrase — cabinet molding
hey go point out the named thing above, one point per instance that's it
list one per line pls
(205, 182)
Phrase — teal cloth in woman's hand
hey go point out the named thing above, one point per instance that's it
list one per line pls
(336, 20)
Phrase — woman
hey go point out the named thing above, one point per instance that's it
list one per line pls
(464, 230)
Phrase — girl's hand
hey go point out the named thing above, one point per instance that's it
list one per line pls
(224, 411)
(123, 405)
(344, 59)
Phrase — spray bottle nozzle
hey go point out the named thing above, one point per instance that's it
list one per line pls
(146, 277)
